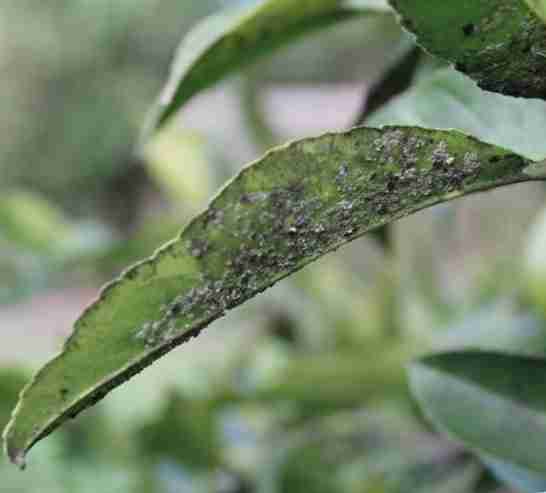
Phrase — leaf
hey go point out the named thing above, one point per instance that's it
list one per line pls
(448, 99)
(494, 403)
(12, 380)
(539, 6)
(297, 203)
(501, 44)
(516, 477)
(31, 222)
(231, 40)
(189, 184)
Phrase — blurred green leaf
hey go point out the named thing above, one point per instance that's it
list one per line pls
(534, 264)
(498, 43)
(494, 403)
(516, 477)
(12, 382)
(539, 6)
(271, 220)
(230, 40)
(177, 160)
(448, 99)
(31, 222)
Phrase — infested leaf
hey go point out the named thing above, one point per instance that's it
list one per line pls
(501, 44)
(233, 39)
(297, 203)
(486, 400)
(447, 99)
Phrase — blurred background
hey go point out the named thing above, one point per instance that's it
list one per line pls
(304, 388)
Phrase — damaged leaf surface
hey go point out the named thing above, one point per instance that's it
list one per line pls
(501, 44)
(285, 210)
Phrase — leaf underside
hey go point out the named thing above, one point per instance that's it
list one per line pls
(285, 210)
(501, 44)
(494, 403)
(229, 41)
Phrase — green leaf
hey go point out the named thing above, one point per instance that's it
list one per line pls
(31, 222)
(231, 40)
(494, 403)
(297, 203)
(539, 6)
(12, 380)
(516, 477)
(189, 184)
(448, 99)
(499, 43)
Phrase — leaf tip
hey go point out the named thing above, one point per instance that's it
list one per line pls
(536, 170)
(16, 455)
(19, 460)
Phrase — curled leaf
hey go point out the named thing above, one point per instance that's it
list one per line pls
(297, 203)
(501, 44)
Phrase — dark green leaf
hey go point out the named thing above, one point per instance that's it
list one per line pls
(297, 203)
(499, 43)
(494, 403)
